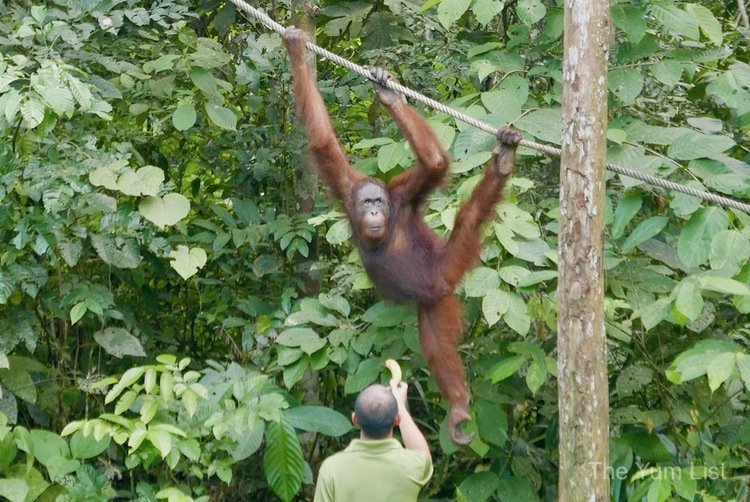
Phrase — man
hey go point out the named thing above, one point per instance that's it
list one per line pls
(376, 467)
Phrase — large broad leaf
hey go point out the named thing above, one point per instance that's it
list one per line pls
(689, 301)
(115, 252)
(14, 489)
(626, 84)
(694, 145)
(119, 342)
(184, 116)
(505, 368)
(630, 20)
(644, 231)
(695, 362)
(166, 211)
(676, 20)
(83, 447)
(222, 117)
(187, 261)
(530, 11)
(318, 419)
(450, 11)
(667, 72)
(481, 281)
(144, 181)
(544, 124)
(386, 315)
(626, 209)
(709, 25)
(486, 10)
(304, 338)
(283, 462)
(730, 250)
(391, 155)
(478, 487)
(366, 374)
(723, 285)
(694, 244)
(494, 305)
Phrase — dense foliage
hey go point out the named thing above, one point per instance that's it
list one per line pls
(173, 326)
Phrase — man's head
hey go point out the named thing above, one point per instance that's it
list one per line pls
(376, 412)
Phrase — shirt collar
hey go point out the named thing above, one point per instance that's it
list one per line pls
(373, 444)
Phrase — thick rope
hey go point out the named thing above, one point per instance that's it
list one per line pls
(546, 149)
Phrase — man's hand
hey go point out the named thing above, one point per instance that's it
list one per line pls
(399, 392)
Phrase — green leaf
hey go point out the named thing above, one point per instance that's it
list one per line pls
(184, 116)
(676, 20)
(517, 316)
(14, 489)
(506, 368)
(655, 313)
(340, 232)
(536, 375)
(694, 145)
(144, 181)
(366, 373)
(486, 10)
(709, 25)
(730, 250)
(166, 211)
(103, 177)
(494, 304)
(630, 20)
(126, 380)
(205, 81)
(391, 155)
(720, 369)
(507, 98)
(222, 117)
(118, 253)
(544, 124)
(667, 71)
(187, 261)
(318, 419)
(694, 362)
(644, 231)
(161, 440)
(743, 365)
(723, 285)
(32, 112)
(46, 445)
(119, 342)
(386, 315)
(83, 447)
(626, 209)
(163, 63)
(450, 11)
(626, 84)
(694, 243)
(481, 281)
(304, 338)
(478, 487)
(689, 301)
(530, 11)
(77, 312)
(283, 462)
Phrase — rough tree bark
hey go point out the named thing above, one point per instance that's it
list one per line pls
(582, 366)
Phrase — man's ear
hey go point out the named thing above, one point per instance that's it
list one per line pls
(354, 419)
(397, 421)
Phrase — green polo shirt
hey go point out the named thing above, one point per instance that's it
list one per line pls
(375, 470)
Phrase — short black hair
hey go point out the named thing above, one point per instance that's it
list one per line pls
(376, 409)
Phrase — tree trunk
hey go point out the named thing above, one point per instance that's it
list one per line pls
(582, 375)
